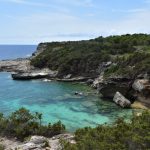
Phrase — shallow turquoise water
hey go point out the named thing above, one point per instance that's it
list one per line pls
(56, 100)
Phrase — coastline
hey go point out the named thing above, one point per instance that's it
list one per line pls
(21, 69)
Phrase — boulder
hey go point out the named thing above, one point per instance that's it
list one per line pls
(140, 84)
(142, 91)
(68, 76)
(35, 142)
(78, 93)
(37, 139)
(120, 100)
(89, 81)
(97, 81)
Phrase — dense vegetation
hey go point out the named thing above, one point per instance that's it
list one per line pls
(84, 57)
(22, 124)
(120, 136)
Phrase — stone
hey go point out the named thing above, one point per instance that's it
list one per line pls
(120, 100)
(142, 91)
(140, 84)
(89, 81)
(78, 93)
(68, 76)
(35, 143)
(37, 139)
(97, 81)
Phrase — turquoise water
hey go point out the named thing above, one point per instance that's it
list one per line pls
(56, 100)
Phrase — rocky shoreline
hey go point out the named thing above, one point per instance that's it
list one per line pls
(37, 142)
(131, 89)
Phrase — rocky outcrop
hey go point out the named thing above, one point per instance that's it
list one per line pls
(74, 79)
(37, 142)
(142, 91)
(141, 84)
(17, 65)
(89, 81)
(120, 100)
(41, 47)
(108, 87)
(34, 74)
(28, 76)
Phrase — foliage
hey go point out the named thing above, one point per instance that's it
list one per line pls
(131, 65)
(1, 147)
(22, 124)
(119, 136)
(84, 57)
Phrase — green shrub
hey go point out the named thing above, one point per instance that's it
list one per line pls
(119, 136)
(2, 147)
(22, 124)
(84, 57)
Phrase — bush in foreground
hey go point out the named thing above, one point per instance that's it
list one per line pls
(119, 136)
(22, 124)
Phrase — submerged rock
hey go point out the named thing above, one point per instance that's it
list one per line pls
(78, 93)
(140, 84)
(120, 100)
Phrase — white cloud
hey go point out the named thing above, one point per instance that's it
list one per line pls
(137, 10)
(147, 1)
(60, 26)
(84, 3)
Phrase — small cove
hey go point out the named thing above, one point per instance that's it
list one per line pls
(56, 101)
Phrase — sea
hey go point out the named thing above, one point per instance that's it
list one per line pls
(55, 100)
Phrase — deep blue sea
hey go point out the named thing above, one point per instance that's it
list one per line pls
(16, 51)
(56, 100)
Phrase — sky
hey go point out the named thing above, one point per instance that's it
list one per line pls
(35, 21)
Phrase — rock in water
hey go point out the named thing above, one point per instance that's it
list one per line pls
(120, 100)
(28, 76)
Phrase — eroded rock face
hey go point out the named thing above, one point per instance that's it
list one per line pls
(110, 86)
(120, 100)
(18, 65)
(41, 47)
(141, 84)
(142, 90)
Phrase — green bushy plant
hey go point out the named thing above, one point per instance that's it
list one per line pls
(119, 136)
(22, 123)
